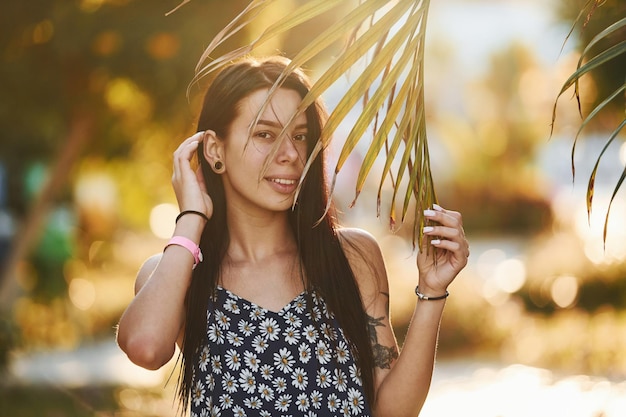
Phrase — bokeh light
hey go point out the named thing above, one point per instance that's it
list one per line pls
(43, 31)
(82, 293)
(124, 96)
(162, 219)
(96, 191)
(511, 275)
(162, 46)
(502, 275)
(564, 290)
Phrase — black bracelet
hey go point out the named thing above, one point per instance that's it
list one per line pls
(199, 213)
(427, 298)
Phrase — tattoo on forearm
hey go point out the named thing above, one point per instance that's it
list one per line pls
(383, 355)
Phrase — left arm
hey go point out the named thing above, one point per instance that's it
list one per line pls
(402, 380)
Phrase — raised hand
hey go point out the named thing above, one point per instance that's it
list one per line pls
(188, 183)
(438, 268)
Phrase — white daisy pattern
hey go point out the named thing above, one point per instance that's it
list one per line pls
(257, 362)
(204, 359)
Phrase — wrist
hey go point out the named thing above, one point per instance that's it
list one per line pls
(189, 245)
(429, 294)
(192, 214)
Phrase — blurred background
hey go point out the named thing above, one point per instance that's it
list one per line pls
(93, 101)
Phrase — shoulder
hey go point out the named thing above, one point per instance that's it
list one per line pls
(365, 258)
(146, 270)
(358, 244)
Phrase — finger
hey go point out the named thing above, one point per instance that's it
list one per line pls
(443, 218)
(196, 137)
(456, 254)
(448, 214)
(184, 154)
(443, 234)
(188, 146)
(449, 233)
(200, 178)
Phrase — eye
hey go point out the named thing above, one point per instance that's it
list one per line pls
(300, 137)
(264, 135)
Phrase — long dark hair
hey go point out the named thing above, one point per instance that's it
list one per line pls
(324, 264)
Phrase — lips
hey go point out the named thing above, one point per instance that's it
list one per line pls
(283, 185)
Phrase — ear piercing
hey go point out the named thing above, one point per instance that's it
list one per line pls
(218, 166)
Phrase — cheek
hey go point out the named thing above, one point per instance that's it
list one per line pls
(302, 148)
(259, 148)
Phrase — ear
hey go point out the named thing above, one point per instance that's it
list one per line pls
(213, 147)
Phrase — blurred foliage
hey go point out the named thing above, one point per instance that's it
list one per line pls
(122, 63)
(598, 288)
(492, 153)
(17, 401)
(56, 401)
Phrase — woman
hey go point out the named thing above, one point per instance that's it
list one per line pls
(275, 312)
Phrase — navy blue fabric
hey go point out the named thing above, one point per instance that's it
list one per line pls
(256, 362)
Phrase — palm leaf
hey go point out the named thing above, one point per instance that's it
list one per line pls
(389, 36)
(608, 210)
(589, 117)
(594, 171)
(307, 11)
(593, 63)
(578, 18)
(344, 64)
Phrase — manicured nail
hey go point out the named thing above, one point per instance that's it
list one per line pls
(429, 213)
(437, 207)
(428, 229)
(435, 241)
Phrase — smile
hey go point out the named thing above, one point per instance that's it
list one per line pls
(283, 181)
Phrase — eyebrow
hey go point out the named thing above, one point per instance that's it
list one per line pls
(274, 124)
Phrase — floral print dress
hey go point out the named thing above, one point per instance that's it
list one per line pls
(256, 362)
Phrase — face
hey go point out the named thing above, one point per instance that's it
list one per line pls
(246, 186)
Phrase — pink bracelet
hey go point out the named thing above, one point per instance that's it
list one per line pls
(189, 245)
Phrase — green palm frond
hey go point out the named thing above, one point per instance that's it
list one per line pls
(389, 37)
(587, 64)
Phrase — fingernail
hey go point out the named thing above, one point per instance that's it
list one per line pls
(435, 241)
(437, 207)
(429, 213)
(428, 229)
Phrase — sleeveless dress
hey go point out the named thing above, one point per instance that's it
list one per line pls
(256, 362)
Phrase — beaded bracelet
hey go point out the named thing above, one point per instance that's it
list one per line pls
(199, 213)
(428, 298)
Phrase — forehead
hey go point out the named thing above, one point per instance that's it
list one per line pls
(281, 107)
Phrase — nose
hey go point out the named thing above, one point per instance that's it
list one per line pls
(287, 151)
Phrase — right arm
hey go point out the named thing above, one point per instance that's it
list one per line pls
(152, 323)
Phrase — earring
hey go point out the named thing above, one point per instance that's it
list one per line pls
(219, 167)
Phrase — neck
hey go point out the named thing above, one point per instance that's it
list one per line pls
(255, 237)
